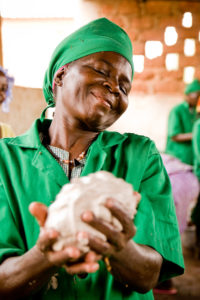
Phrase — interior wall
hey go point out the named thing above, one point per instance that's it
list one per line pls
(148, 115)
(26, 106)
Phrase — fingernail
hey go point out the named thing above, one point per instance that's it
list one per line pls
(109, 202)
(82, 235)
(72, 252)
(87, 216)
(92, 268)
(53, 234)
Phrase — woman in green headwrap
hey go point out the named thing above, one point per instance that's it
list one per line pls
(88, 81)
(180, 124)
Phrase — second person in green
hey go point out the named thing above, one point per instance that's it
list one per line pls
(180, 125)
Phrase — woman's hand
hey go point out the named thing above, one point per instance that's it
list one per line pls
(116, 239)
(70, 257)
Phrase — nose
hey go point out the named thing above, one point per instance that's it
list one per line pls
(112, 88)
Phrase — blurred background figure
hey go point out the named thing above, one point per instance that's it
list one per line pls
(179, 160)
(179, 157)
(6, 84)
(180, 124)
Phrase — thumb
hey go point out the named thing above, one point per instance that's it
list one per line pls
(39, 211)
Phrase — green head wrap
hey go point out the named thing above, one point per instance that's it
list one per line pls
(194, 86)
(96, 36)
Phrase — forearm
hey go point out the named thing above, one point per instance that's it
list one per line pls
(137, 266)
(24, 275)
(182, 137)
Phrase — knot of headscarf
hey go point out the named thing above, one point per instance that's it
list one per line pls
(96, 36)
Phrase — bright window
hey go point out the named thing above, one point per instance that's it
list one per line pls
(188, 74)
(171, 36)
(39, 8)
(30, 35)
(172, 62)
(187, 20)
(28, 46)
(153, 49)
(138, 61)
(189, 47)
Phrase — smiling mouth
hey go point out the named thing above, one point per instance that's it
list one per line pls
(103, 101)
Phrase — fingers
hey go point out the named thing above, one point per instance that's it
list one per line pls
(89, 265)
(67, 255)
(116, 239)
(118, 211)
(39, 211)
(112, 234)
(137, 197)
(46, 239)
(83, 267)
(100, 246)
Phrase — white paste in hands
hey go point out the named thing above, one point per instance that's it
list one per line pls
(87, 193)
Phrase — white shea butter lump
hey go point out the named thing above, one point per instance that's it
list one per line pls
(87, 193)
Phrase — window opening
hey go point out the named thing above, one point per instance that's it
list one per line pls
(153, 49)
(189, 47)
(188, 74)
(138, 61)
(187, 20)
(170, 36)
(172, 62)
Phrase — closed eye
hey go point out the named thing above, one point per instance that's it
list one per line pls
(102, 72)
(123, 89)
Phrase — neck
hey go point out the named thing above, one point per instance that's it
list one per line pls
(69, 138)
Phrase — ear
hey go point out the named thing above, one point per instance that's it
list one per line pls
(58, 79)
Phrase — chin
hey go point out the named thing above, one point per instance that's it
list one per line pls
(95, 126)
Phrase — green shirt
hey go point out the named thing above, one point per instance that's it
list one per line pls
(181, 120)
(196, 148)
(30, 173)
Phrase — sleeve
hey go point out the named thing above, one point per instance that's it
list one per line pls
(156, 219)
(174, 123)
(11, 242)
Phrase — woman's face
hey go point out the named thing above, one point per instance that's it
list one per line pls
(3, 88)
(94, 90)
(192, 98)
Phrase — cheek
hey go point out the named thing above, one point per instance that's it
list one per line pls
(123, 105)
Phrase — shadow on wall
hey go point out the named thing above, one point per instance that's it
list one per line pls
(26, 106)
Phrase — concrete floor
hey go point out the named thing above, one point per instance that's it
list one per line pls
(188, 285)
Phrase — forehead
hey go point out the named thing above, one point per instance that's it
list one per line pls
(115, 60)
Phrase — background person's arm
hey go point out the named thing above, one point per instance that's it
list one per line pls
(182, 137)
